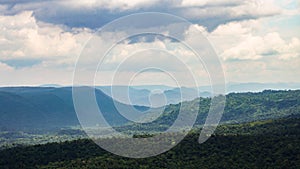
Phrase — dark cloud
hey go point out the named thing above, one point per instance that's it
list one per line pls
(51, 11)
(21, 63)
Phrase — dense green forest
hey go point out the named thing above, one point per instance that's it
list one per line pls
(260, 144)
(33, 109)
(239, 108)
(258, 130)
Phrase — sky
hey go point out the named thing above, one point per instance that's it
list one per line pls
(255, 41)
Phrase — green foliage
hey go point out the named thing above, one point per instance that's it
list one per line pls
(261, 144)
(259, 130)
(239, 108)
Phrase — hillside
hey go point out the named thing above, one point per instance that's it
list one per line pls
(239, 108)
(261, 144)
(32, 108)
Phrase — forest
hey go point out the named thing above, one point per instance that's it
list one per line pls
(257, 130)
(260, 144)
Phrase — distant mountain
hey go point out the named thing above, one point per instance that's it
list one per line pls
(178, 95)
(254, 87)
(50, 85)
(127, 95)
(143, 95)
(140, 95)
(258, 87)
(153, 87)
(48, 108)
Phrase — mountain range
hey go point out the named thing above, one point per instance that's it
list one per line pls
(43, 108)
(160, 95)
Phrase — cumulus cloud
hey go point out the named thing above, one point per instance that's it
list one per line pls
(96, 13)
(234, 9)
(40, 40)
(167, 55)
(238, 41)
(23, 37)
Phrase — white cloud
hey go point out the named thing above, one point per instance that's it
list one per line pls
(22, 36)
(34, 76)
(201, 3)
(230, 9)
(270, 45)
(4, 67)
(264, 71)
(245, 41)
(257, 8)
(254, 45)
(129, 58)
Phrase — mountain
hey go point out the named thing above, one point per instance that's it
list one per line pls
(239, 108)
(151, 96)
(47, 108)
(44, 108)
(50, 85)
(233, 87)
(178, 95)
(31, 107)
(153, 87)
(127, 95)
(142, 95)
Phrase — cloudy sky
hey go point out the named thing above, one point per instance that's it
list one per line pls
(255, 40)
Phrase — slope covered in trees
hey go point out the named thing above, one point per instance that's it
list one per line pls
(260, 144)
(239, 108)
(31, 108)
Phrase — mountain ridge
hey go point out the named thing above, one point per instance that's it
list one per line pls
(44, 108)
